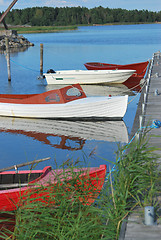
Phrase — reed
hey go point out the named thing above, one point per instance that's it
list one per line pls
(134, 182)
(62, 212)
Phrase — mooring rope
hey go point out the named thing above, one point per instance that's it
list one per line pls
(5, 54)
(138, 92)
(23, 66)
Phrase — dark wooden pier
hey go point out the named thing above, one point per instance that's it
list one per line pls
(149, 110)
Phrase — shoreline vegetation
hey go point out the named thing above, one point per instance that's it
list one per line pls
(49, 29)
(49, 19)
(40, 29)
(74, 16)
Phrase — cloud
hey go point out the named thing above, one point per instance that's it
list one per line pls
(59, 3)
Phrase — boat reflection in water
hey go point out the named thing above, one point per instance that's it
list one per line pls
(69, 132)
(134, 84)
(101, 90)
(129, 87)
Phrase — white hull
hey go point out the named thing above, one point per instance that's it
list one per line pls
(91, 107)
(88, 77)
(111, 131)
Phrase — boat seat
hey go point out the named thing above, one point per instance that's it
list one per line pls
(17, 180)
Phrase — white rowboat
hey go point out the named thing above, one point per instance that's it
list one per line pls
(69, 102)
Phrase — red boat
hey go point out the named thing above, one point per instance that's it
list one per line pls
(15, 187)
(139, 67)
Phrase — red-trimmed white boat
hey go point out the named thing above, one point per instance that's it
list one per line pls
(140, 67)
(69, 102)
(15, 188)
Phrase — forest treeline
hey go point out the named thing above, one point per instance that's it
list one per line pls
(49, 16)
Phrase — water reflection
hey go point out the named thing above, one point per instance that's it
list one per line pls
(15, 50)
(106, 90)
(129, 87)
(134, 83)
(99, 90)
(70, 134)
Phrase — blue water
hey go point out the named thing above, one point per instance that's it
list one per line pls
(70, 50)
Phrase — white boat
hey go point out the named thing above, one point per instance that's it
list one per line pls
(87, 77)
(69, 102)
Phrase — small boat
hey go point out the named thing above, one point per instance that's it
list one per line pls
(140, 67)
(69, 102)
(87, 77)
(15, 186)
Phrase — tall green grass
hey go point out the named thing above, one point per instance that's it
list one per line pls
(134, 182)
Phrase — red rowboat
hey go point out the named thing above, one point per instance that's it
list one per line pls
(139, 67)
(38, 184)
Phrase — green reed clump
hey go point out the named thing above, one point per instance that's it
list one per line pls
(133, 183)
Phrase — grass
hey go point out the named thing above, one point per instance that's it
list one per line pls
(40, 29)
(47, 29)
(134, 182)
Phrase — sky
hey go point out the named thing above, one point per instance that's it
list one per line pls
(150, 5)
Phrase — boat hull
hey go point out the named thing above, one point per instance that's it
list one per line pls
(41, 188)
(139, 67)
(88, 77)
(85, 108)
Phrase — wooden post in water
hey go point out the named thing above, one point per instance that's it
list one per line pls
(8, 59)
(41, 59)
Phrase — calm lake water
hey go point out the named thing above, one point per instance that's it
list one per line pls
(26, 140)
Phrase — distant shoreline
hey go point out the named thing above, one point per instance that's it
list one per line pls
(39, 29)
(49, 29)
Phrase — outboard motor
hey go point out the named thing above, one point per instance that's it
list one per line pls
(51, 71)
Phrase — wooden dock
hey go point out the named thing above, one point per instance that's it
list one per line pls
(149, 110)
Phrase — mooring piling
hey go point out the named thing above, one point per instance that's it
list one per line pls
(8, 59)
(41, 59)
